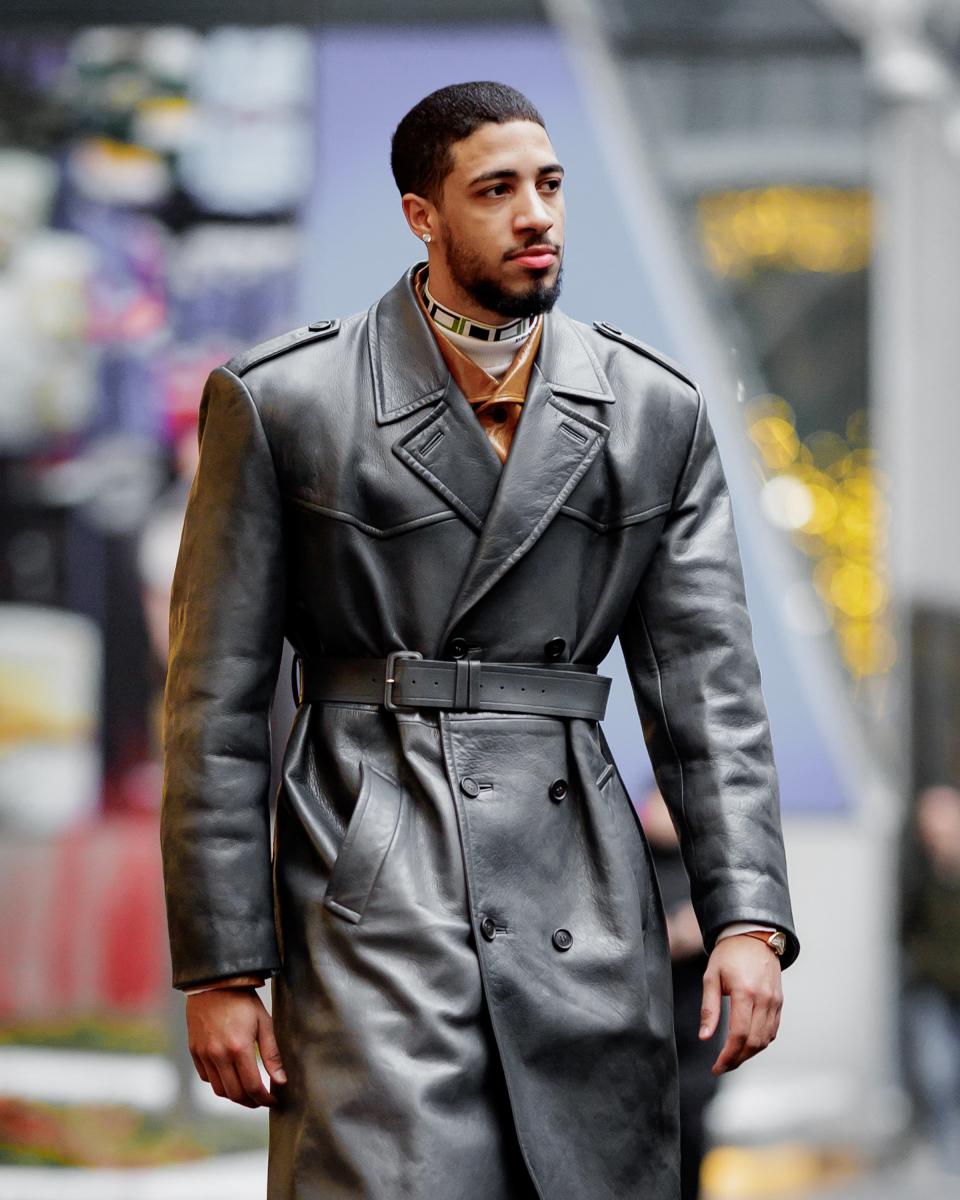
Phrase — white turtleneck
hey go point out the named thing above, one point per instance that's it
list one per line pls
(493, 357)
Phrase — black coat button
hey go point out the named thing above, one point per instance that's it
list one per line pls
(469, 786)
(558, 789)
(457, 647)
(488, 927)
(563, 939)
(555, 647)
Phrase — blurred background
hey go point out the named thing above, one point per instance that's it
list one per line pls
(767, 191)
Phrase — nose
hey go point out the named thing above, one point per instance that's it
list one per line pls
(533, 213)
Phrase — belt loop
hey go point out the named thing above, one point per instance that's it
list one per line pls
(473, 682)
(461, 688)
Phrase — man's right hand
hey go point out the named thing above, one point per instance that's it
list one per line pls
(223, 1027)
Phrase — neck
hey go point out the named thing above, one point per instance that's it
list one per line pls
(447, 293)
(454, 322)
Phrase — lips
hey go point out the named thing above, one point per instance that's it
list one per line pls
(536, 257)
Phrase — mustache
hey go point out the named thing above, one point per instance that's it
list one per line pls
(540, 242)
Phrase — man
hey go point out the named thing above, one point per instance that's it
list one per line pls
(452, 505)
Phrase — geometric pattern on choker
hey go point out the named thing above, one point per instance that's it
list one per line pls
(446, 318)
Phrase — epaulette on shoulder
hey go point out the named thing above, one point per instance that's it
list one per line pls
(313, 332)
(611, 331)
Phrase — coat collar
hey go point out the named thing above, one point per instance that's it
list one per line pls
(409, 371)
(507, 505)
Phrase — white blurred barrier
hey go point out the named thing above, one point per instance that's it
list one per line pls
(50, 664)
(237, 1176)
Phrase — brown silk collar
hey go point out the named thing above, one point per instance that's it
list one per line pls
(497, 402)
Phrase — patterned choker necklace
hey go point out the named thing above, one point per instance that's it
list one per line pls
(446, 318)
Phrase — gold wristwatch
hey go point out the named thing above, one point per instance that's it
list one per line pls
(777, 941)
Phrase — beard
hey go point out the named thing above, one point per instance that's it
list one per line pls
(470, 274)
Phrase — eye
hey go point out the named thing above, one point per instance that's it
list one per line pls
(555, 182)
(490, 191)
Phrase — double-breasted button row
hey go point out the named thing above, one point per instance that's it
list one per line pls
(457, 647)
(557, 790)
(562, 938)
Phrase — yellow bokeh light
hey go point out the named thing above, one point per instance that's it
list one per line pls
(857, 590)
(868, 648)
(817, 229)
(777, 441)
(825, 510)
(845, 533)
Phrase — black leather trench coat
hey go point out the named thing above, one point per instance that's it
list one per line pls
(439, 1042)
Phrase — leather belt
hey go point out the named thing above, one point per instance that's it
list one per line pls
(405, 679)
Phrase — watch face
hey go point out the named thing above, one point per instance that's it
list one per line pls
(778, 941)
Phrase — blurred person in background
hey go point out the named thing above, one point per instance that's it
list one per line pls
(930, 932)
(470, 971)
(698, 1084)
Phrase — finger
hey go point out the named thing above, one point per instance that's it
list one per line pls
(235, 1090)
(763, 1022)
(201, 1069)
(758, 1036)
(773, 1020)
(250, 1079)
(213, 1076)
(710, 1007)
(741, 1017)
(269, 1050)
(769, 1001)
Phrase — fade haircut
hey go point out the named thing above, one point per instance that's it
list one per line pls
(420, 154)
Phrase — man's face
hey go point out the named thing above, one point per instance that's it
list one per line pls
(501, 219)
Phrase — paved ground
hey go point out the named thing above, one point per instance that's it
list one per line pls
(148, 1082)
(243, 1177)
(237, 1177)
(914, 1178)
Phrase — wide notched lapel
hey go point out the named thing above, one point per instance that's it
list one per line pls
(559, 434)
(446, 448)
(449, 451)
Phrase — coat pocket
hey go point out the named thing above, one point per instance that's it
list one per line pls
(370, 832)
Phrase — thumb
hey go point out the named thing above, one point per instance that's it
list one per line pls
(269, 1050)
(710, 1008)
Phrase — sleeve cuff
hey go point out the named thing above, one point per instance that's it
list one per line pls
(742, 927)
(233, 981)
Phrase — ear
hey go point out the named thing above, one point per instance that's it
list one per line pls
(421, 215)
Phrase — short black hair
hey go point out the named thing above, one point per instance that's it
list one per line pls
(420, 155)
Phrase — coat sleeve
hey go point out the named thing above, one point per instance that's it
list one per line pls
(688, 646)
(226, 640)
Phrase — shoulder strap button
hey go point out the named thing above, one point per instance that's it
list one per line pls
(612, 331)
(273, 347)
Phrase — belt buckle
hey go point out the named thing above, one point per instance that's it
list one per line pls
(390, 680)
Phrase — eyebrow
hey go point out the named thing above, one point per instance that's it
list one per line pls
(508, 173)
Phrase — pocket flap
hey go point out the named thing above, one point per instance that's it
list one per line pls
(604, 775)
(370, 831)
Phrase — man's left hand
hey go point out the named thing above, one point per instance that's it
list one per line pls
(747, 971)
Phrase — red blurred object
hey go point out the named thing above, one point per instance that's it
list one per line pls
(185, 378)
(83, 923)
